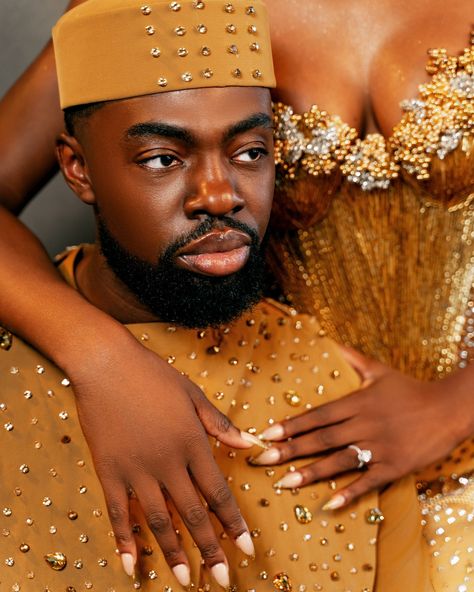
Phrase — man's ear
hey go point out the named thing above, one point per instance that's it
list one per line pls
(74, 168)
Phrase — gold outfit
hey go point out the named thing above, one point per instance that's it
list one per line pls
(374, 236)
(55, 534)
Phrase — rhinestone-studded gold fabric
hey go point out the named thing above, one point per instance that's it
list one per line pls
(375, 237)
(130, 49)
(55, 533)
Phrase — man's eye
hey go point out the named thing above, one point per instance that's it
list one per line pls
(251, 155)
(163, 161)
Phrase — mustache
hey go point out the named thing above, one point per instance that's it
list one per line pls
(205, 227)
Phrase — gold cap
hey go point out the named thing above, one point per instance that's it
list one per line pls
(116, 49)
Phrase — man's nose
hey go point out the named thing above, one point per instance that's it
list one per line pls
(213, 197)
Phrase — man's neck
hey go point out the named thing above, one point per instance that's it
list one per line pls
(100, 286)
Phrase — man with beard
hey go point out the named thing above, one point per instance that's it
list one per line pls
(169, 138)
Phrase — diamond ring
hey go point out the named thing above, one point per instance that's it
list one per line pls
(363, 456)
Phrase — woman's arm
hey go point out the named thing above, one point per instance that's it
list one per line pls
(113, 375)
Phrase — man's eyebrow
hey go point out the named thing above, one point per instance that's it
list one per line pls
(152, 129)
(255, 120)
(165, 130)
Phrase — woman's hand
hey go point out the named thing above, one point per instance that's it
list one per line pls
(146, 427)
(405, 423)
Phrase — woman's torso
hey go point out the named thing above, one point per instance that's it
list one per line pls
(381, 256)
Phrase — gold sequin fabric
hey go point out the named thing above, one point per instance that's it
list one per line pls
(375, 239)
(55, 534)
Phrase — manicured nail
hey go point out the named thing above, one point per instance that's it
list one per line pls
(244, 543)
(251, 439)
(290, 480)
(220, 572)
(182, 574)
(128, 564)
(274, 432)
(268, 457)
(335, 502)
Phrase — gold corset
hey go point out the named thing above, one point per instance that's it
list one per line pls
(374, 235)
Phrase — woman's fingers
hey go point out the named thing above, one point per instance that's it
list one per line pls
(158, 518)
(197, 520)
(325, 415)
(219, 425)
(339, 462)
(308, 444)
(118, 509)
(368, 481)
(221, 501)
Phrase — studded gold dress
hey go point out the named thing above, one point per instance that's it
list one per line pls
(375, 237)
(54, 532)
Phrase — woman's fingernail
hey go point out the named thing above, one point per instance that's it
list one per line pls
(274, 432)
(268, 457)
(251, 439)
(290, 480)
(128, 563)
(220, 573)
(182, 574)
(335, 502)
(244, 543)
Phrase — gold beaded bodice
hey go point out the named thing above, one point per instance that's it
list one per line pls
(375, 235)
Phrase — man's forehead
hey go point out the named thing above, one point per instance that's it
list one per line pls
(195, 111)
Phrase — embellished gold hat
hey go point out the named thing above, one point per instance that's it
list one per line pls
(116, 49)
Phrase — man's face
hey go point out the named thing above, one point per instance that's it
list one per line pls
(183, 183)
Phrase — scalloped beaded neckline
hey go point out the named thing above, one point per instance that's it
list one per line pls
(433, 125)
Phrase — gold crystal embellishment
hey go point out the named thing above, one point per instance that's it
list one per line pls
(162, 82)
(56, 561)
(155, 52)
(207, 73)
(202, 29)
(229, 8)
(254, 47)
(257, 74)
(374, 516)
(282, 582)
(175, 6)
(186, 77)
(198, 5)
(252, 29)
(233, 49)
(237, 73)
(6, 339)
(206, 51)
(182, 52)
(250, 11)
(150, 29)
(292, 398)
(231, 29)
(146, 10)
(303, 515)
(180, 31)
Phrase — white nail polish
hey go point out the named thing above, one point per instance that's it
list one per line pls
(335, 502)
(244, 543)
(220, 573)
(128, 563)
(251, 439)
(268, 457)
(274, 432)
(290, 480)
(182, 574)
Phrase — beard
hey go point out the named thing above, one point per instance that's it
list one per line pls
(177, 295)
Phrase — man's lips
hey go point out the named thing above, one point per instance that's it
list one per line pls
(217, 253)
